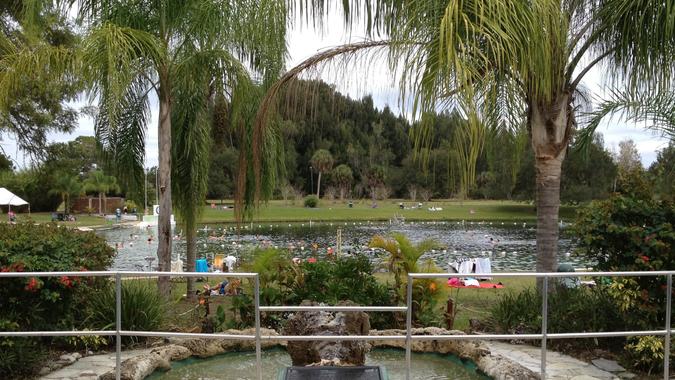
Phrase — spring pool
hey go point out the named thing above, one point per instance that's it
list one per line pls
(241, 365)
(511, 246)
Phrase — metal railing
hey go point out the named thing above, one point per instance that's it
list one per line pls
(544, 336)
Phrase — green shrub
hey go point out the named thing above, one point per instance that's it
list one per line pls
(142, 308)
(20, 357)
(45, 303)
(569, 310)
(632, 232)
(345, 278)
(311, 201)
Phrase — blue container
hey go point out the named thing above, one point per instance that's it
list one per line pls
(201, 265)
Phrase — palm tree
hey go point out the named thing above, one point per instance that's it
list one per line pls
(102, 184)
(344, 177)
(66, 186)
(322, 161)
(375, 177)
(519, 61)
(403, 256)
(187, 52)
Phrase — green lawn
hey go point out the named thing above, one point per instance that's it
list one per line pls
(279, 211)
(471, 303)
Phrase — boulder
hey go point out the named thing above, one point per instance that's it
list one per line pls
(344, 353)
(204, 348)
(141, 366)
(495, 366)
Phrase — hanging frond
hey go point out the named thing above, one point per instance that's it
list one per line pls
(653, 108)
(122, 141)
(114, 59)
(639, 36)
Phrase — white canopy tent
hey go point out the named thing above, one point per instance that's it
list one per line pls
(7, 198)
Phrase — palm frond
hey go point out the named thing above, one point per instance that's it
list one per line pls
(653, 107)
(640, 35)
(113, 59)
(122, 141)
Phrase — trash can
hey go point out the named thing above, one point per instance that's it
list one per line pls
(201, 265)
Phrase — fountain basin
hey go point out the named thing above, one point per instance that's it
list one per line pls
(470, 355)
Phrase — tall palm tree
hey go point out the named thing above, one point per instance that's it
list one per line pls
(102, 184)
(517, 55)
(67, 186)
(322, 161)
(186, 52)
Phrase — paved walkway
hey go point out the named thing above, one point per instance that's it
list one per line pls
(90, 367)
(559, 367)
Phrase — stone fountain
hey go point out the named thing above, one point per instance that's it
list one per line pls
(325, 358)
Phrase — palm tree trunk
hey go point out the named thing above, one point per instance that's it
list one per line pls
(191, 246)
(342, 193)
(550, 126)
(318, 186)
(164, 177)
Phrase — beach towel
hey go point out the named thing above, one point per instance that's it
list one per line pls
(481, 285)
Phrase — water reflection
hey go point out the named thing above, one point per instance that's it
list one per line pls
(511, 246)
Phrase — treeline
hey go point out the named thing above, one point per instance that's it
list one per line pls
(373, 154)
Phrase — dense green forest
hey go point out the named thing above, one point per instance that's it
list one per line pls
(370, 154)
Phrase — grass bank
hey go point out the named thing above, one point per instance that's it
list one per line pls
(280, 211)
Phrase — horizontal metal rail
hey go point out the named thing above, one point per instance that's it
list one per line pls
(127, 274)
(543, 274)
(333, 308)
(20, 334)
(408, 338)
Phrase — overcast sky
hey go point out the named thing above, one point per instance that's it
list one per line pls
(304, 42)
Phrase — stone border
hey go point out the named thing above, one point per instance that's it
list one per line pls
(495, 366)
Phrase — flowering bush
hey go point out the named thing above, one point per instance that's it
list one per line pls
(44, 303)
(632, 233)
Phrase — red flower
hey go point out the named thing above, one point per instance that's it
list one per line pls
(645, 258)
(311, 260)
(66, 281)
(33, 285)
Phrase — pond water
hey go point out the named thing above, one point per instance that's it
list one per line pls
(241, 365)
(510, 245)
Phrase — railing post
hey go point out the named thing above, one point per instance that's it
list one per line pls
(544, 325)
(118, 325)
(258, 353)
(666, 350)
(408, 327)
